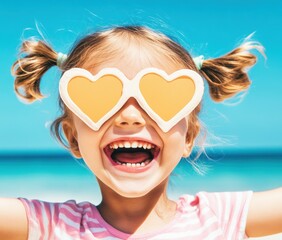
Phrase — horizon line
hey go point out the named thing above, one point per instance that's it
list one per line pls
(210, 152)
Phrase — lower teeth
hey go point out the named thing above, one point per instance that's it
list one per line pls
(142, 164)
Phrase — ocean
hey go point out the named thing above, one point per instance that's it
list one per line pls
(60, 177)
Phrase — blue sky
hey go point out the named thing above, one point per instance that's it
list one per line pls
(204, 27)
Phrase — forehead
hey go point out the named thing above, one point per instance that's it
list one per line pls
(132, 68)
(133, 57)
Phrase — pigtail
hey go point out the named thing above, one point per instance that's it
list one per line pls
(227, 75)
(35, 58)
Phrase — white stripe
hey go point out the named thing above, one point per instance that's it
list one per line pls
(44, 221)
(70, 210)
(192, 219)
(86, 206)
(242, 227)
(87, 209)
(63, 235)
(32, 210)
(89, 220)
(97, 230)
(93, 220)
(189, 223)
(73, 204)
(226, 219)
(214, 235)
(205, 210)
(35, 231)
(203, 197)
(191, 216)
(219, 206)
(69, 222)
(112, 238)
(189, 233)
(52, 214)
(235, 216)
(208, 203)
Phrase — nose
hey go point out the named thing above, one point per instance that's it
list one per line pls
(130, 116)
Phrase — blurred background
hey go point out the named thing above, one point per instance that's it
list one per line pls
(243, 146)
(209, 28)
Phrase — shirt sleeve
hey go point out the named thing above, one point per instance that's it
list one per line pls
(231, 210)
(52, 220)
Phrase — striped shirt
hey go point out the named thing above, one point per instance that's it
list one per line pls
(205, 216)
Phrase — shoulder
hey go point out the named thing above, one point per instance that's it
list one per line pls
(69, 207)
(57, 220)
(226, 211)
(211, 199)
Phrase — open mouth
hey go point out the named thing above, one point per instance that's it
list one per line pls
(134, 154)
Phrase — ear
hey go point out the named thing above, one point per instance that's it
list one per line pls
(191, 134)
(71, 136)
(187, 149)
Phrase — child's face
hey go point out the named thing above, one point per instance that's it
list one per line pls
(132, 170)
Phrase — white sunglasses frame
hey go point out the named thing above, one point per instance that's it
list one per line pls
(131, 89)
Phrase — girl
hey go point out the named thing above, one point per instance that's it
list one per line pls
(130, 99)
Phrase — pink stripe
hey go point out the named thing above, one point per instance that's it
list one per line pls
(70, 215)
(48, 216)
(55, 218)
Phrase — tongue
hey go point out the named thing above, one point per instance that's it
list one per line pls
(136, 157)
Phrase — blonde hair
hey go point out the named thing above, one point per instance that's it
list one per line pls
(226, 75)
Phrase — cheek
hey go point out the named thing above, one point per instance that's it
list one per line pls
(91, 154)
(180, 130)
(87, 146)
(175, 142)
(176, 145)
(88, 143)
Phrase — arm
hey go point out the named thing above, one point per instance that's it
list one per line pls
(265, 213)
(13, 220)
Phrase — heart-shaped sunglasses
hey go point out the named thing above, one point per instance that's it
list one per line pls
(165, 98)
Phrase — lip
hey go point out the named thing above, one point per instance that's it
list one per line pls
(129, 169)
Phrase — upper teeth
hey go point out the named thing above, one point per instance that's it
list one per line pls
(131, 144)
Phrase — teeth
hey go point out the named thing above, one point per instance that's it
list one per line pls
(134, 144)
(128, 144)
(142, 164)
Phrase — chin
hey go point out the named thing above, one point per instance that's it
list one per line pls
(132, 194)
(133, 191)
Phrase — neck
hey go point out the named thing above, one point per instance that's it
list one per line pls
(137, 215)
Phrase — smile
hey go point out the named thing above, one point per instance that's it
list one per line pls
(134, 154)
